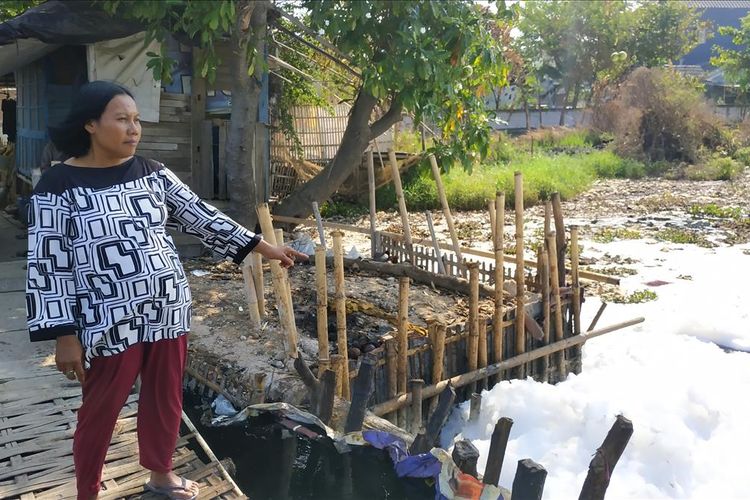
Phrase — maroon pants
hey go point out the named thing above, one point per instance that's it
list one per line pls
(108, 383)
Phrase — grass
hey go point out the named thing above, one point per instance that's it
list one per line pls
(713, 210)
(608, 235)
(637, 297)
(683, 236)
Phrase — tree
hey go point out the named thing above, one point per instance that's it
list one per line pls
(435, 59)
(12, 8)
(205, 24)
(736, 62)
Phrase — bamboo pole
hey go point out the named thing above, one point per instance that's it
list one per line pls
(403, 333)
(321, 284)
(560, 235)
(435, 244)
(337, 365)
(391, 365)
(497, 323)
(319, 222)
(446, 211)
(260, 292)
(438, 356)
(547, 217)
(340, 300)
(475, 407)
(415, 388)
(520, 288)
(250, 296)
(552, 254)
(401, 203)
(493, 218)
(575, 280)
(472, 348)
(482, 350)
(545, 278)
(373, 210)
(467, 378)
(281, 287)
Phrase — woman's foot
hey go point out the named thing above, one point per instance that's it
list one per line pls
(173, 486)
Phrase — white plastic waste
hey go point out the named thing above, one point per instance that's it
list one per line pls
(222, 406)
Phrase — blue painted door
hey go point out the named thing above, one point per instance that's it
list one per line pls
(31, 113)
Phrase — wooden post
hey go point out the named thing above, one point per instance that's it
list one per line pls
(260, 292)
(438, 356)
(545, 278)
(312, 383)
(475, 407)
(281, 287)
(200, 151)
(403, 341)
(321, 284)
(340, 300)
(472, 346)
(415, 388)
(424, 442)
(560, 234)
(556, 304)
(529, 481)
(598, 315)
(337, 365)
(547, 217)
(435, 244)
(373, 210)
(520, 288)
(250, 296)
(465, 455)
(575, 280)
(401, 203)
(482, 350)
(362, 389)
(493, 218)
(496, 455)
(391, 365)
(327, 393)
(605, 459)
(446, 211)
(319, 221)
(498, 243)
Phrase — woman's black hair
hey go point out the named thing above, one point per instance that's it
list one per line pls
(88, 104)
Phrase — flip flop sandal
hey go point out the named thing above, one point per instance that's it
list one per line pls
(169, 491)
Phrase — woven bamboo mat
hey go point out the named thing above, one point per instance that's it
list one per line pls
(37, 421)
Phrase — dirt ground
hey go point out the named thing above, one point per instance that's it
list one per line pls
(643, 208)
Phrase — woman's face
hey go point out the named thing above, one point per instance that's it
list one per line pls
(116, 133)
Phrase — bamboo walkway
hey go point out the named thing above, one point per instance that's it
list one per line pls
(37, 421)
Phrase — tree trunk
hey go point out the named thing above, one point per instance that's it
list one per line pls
(357, 136)
(242, 185)
(564, 105)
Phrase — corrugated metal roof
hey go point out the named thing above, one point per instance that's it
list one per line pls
(719, 4)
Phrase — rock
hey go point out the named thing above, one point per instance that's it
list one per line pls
(276, 363)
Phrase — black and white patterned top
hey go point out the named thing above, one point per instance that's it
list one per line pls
(101, 264)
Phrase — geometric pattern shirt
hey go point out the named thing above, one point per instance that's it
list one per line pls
(101, 264)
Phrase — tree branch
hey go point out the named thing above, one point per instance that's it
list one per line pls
(392, 116)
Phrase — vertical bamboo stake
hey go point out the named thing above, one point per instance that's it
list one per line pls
(544, 277)
(552, 256)
(493, 219)
(401, 203)
(337, 365)
(520, 282)
(438, 357)
(283, 300)
(373, 211)
(472, 346)
(260, 293)
(482, 350)
(435, 244)
(415, 387)
(249, 286)
(560, 235)
(319, 221)
(321, 283)
(575, 280)
(391, 364)
(403, 334)
(446, 211)
(547, 217)
(498, 243)
(340, 300)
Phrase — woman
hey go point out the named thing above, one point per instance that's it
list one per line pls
(105, 281)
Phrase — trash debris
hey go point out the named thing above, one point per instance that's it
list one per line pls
(221, 406)
(199, 272)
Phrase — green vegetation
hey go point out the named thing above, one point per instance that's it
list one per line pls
(716, 168)
(683, 236)
(608, 235)
(637, 297)
(713, 210)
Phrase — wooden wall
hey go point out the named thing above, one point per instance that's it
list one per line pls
(169, 140)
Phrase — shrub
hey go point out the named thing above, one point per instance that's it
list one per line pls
(657, 114)
(716, 168)
(607, 164)
(742, 155)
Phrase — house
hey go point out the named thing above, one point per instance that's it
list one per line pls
(52, 49)
(719, 13)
